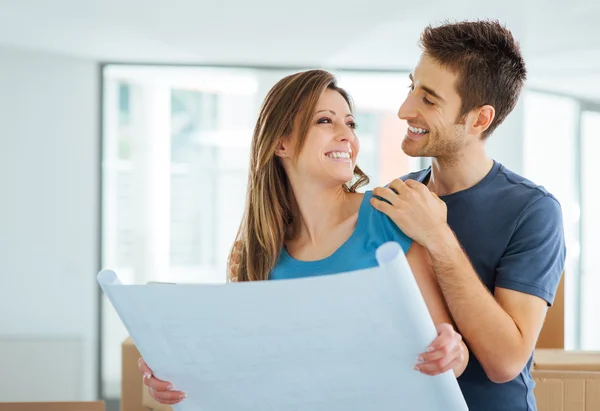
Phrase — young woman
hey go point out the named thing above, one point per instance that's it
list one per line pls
(303, 216)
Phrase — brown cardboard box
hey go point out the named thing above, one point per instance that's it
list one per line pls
(52, 406)
(566, 380)
(553, 332)
(560, 360)
(134, 394)
(131, 379)
(151, 404)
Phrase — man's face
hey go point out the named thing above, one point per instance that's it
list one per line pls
(431, 110)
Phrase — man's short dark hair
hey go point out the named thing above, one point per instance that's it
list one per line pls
(487, 60)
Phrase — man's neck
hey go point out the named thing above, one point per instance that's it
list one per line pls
(449, 177)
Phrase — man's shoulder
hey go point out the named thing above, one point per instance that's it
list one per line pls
(513, 185)
(502, 184)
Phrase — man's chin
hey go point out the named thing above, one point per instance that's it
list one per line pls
(413, 148)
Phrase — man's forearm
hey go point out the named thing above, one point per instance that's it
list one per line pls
(489, 331)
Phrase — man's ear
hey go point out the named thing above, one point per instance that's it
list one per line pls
(481, 119)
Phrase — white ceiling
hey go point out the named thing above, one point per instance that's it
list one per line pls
(560, 40)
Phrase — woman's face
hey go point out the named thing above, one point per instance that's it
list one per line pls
(329, 153)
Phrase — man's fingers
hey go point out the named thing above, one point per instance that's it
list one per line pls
(415, 185)
(386, 194)
(398, 186)
(382, 206)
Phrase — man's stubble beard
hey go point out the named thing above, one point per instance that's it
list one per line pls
(444, 145)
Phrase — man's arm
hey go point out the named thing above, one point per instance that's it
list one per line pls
(449, 351)
(500, 329)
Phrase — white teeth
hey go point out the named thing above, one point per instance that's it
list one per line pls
(418, 130)
(338, 154)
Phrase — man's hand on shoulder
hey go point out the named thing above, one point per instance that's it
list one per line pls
(418, 212)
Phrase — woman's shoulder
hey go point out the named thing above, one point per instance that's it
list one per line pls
(381, 225)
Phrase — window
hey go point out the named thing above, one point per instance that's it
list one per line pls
(175, 162)
(590, 230)
(550, 152)
(561, 140)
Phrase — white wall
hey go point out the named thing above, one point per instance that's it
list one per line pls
(48, 226)
(506, 144)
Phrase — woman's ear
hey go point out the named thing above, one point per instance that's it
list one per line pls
(281, 150)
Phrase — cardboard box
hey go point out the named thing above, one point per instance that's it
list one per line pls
(150, 404)
(134, 394)
(567, 380)
(553, 331)
(560, 360)
(52, 406)
(131, 379)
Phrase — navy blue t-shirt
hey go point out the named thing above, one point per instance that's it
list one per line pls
(512, 231)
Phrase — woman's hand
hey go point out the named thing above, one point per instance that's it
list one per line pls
(161, 391)
(445, 353)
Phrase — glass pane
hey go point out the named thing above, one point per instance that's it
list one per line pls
(549, 160)
(590, 230)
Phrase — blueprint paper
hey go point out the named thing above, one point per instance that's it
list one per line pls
(343, 342)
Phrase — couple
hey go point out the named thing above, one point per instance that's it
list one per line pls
(486, 246)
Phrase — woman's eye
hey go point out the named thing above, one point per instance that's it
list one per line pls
(324, 120)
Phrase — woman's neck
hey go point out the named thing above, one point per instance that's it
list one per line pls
(319, 210)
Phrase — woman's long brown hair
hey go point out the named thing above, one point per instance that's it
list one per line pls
(269, 210)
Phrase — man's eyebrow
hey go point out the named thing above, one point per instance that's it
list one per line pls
(428, 90)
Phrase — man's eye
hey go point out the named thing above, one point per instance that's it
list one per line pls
(352, 125)
(427, 101)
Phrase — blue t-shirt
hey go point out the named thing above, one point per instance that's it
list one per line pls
(373, 229)
(512, 231)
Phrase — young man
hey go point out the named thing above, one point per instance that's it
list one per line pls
(495, 239)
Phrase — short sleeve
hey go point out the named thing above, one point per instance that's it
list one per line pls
(535, 256)
(391, 232)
